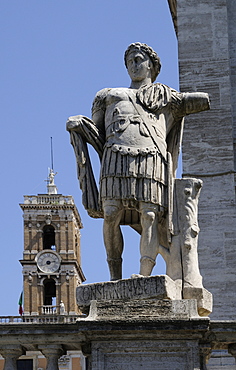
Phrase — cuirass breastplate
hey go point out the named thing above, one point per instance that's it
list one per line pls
(130, 134)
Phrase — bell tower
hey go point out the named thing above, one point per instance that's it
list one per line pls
(51, 257)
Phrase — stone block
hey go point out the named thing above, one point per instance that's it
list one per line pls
(203, 297)
(141, 309)
(158, 287)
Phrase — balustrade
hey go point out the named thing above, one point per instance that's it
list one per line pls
(48, 199)
(50, 310)
(46, 318)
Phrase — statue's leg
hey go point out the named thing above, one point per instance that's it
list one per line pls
(149, 243)
(113, 238)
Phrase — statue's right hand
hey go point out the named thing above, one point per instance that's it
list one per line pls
(73, 123)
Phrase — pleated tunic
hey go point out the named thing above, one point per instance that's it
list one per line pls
(133, 177)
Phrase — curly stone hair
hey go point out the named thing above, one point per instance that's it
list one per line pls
(150, 52)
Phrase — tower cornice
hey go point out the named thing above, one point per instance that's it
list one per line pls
(51, 202)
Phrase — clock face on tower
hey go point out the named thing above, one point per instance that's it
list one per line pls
(48, 261)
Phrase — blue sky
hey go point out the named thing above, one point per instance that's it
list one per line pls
(55, 56)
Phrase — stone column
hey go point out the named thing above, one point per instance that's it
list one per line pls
(52, 352)
(11, 353)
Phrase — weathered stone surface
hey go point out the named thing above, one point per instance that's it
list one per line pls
(207, 61)
(143, 309)
(203, 297)
(221, 360)
(148, 355)
(182, 256)
(159, 287)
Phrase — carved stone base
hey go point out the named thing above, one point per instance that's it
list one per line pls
(158, 287)
(156, 296)
(150, 309)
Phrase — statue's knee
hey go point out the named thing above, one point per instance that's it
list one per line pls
(148, 216)
(110, 213)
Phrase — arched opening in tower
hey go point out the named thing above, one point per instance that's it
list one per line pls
(49, 292)
(49, 237)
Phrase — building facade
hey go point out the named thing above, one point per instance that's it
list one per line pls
(34, 360)
(206, 33)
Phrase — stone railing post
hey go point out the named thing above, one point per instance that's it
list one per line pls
(52, 352)
(11, 353)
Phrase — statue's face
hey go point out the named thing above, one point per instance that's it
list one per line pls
(138, 65)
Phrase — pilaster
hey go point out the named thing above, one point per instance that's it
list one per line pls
(11, 353)
(52, 352)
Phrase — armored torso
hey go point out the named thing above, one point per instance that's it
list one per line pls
(126, 130)
(135, 122)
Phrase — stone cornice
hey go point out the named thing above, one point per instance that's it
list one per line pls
(49, 206)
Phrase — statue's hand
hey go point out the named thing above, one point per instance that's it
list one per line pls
(73, 123)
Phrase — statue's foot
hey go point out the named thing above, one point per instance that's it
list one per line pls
(134, 276)
(146, 265)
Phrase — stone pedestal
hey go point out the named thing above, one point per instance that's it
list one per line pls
(145, 354)
(141, 323)
(139, 288)
(145, 334)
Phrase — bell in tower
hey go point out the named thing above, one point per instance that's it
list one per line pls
(51, 257)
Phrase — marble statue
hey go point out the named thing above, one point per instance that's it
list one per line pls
(137, 132)
(52, 189)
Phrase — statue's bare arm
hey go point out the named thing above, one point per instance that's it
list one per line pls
(195, 102)
(189, 103)
(99, 109)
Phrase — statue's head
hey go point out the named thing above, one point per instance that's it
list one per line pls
(152, 55)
